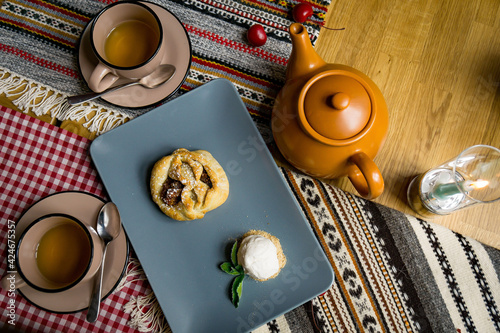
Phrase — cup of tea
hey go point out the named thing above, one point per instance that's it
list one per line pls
(55, 253)
(126, 37)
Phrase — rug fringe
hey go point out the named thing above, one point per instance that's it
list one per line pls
(145, 312)
(134, 273)
(29, 95)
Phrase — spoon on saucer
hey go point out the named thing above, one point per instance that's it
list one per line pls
(108, 228)
(159, 76)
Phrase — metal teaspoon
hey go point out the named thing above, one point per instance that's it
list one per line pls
(108, 228)
(159, 76)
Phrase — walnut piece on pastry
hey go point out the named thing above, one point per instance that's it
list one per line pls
(188, 184)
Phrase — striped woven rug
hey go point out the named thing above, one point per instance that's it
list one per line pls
(396, 273)
(38, 41)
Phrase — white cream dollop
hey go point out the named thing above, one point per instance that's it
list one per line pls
(259, 257)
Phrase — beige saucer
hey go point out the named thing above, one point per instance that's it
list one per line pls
(175, 38)
(84, 207)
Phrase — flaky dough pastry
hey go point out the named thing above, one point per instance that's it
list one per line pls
(188, 184)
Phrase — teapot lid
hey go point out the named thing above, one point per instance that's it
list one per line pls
(336, 104)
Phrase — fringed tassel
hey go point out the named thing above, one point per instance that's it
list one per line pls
(145, 312)
(134, 273)
(28, 95)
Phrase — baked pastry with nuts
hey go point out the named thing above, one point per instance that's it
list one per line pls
(188, 184)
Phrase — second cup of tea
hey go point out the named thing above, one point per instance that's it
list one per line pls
(55, 253)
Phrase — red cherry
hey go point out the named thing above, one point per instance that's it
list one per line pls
(302, 12)
(256, 35)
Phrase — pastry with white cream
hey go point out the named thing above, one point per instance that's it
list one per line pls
(261, 256)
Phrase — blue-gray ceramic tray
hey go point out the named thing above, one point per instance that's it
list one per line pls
(181, 259)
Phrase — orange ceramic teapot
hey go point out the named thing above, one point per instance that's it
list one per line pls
(330, 120)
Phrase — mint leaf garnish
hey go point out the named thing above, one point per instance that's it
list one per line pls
(233, 268)
(236, 270)
(234, 254)
(236, 289)
(227, 267)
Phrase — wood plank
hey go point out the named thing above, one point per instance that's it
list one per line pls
(437, 64)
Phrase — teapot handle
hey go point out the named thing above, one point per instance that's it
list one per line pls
(366, 178)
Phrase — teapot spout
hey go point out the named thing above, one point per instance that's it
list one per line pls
(303, 59)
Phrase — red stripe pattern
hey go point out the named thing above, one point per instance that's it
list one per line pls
(49, 32)
(40, 61)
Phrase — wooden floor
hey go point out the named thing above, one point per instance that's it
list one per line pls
(438, 66)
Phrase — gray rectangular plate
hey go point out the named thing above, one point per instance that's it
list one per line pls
(181, 259)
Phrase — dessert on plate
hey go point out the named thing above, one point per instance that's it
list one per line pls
(259, 255)
(187, 184)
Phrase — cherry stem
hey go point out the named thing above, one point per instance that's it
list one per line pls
(336, 29)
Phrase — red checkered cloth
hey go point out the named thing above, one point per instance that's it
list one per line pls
(38, 159)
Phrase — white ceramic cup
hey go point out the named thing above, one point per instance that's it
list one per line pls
(145, 38)
(54, 232)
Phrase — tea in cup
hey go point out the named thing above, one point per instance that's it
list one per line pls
(56, 252)
(126, 38)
